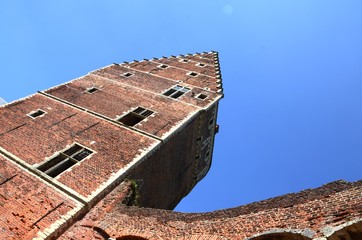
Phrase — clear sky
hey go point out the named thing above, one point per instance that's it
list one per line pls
(291, 118)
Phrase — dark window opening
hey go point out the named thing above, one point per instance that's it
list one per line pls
(176, 91)
(211, 121)
(201, 64)
(128, 74)
(64, 160)
(92, 90)
(193, 74)
(37, 113)
(202, 96)
(163, 66)
(169, 92)
(136, 116)
(184, 60)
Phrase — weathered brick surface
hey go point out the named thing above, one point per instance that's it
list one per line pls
(153, 164)
(306, 215)
(158, 84)
(190, 65)
(166, 153)
(39, 139)
(207, 58)
(168, 175)
(178, 74)
(114, 100)
(27, 204)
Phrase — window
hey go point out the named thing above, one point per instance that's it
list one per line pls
(193, 74)
(92, 90)
(201, 96)
(127, 74)
(176, 91)
(64, 160)
(201, 64)
(184, 60)
(36, 113)
(136, 116)
(163, 66)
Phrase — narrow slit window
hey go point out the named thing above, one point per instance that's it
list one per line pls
(201, 64)
(127, 74)
(64, 160)
(136, 116)
(36, 113)
(92, 90)
(176, 91)
(193, 74)
(184, 60)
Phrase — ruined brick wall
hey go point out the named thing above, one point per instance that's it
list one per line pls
(333, 212)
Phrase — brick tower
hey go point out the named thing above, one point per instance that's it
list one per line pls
(108, 155)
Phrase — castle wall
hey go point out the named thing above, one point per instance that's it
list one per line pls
(331, 212)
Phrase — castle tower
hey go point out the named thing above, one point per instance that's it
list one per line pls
(107, 155)
(152, 122)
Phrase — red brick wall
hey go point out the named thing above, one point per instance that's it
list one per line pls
(167, 176)
(330, 211)
(27, 205)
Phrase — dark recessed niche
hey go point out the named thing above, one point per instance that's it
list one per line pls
(127, 74)
(202, 96)
(193, 74)
(92, 90)
(36, 113)
(163, 66)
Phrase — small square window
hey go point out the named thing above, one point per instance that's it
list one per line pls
(127, 74)
(136, 116)
(193, 74)
(184, 60)
(176, 91)
(92, 90)
(201, 64)
(64, 160)
(36, 113)
(163, 66)
(201, 96)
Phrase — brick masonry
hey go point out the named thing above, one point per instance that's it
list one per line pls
(136, 173)
(333, 211)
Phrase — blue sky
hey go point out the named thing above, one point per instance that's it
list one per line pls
(291, 118)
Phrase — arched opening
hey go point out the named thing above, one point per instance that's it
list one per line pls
(281, 236)
(131, 237)
(351, 232)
